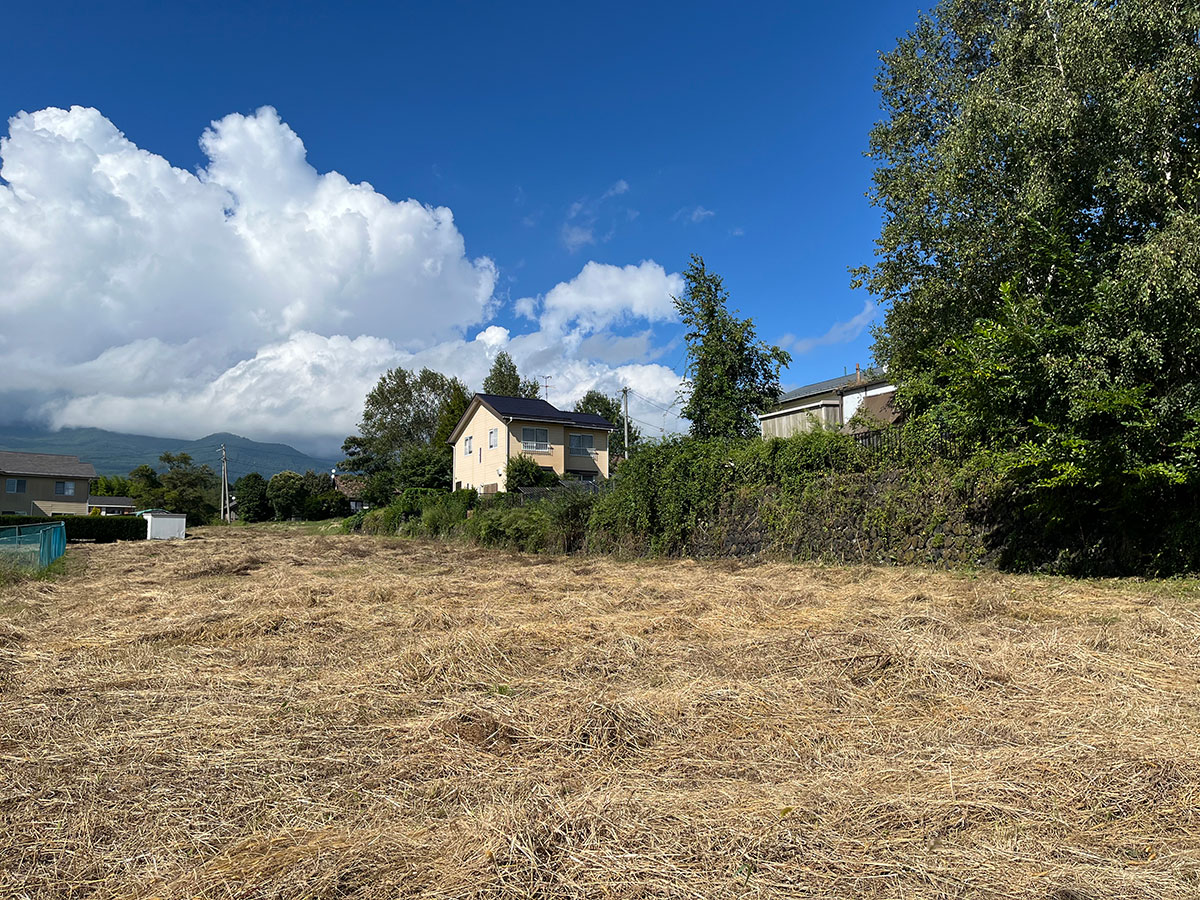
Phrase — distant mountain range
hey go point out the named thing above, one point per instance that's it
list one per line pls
(113, 453)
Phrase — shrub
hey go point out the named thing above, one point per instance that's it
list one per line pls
(523, 471)
(101, 529)
(666, 491)
(354, 522)
(525, 528)
(440, 516)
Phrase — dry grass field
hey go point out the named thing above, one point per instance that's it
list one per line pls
(270, 713)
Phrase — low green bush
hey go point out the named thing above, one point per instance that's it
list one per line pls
(441, 515)
(354, 522)
(526, 528)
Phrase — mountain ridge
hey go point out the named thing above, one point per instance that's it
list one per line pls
(118, 453)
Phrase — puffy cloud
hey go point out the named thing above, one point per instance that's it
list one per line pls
(140, 297)
(601, 295)
(252, 248)
(309, 389)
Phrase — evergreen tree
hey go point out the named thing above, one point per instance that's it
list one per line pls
(732, 375)
(505, 381)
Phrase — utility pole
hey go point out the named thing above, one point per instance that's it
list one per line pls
(625, 393)
(225, 516)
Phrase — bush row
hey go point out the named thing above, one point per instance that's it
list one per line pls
(818, 495)
(101, 529)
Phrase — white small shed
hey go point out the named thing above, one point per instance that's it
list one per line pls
(163, 526)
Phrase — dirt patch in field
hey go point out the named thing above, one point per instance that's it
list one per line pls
(264, 713)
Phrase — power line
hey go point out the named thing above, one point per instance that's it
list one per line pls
(658, 406)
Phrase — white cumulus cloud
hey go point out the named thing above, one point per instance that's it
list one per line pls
(261, 296)
(253, 247)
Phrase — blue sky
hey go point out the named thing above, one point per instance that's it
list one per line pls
(558, 135)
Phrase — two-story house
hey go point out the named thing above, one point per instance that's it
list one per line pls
(44, 484)
(495, 429)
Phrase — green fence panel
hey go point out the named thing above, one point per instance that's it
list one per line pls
(33, 546)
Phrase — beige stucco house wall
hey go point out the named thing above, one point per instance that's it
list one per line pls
(484, 441)
(44, 484)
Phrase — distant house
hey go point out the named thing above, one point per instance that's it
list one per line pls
(494, 429)
(44, 484)
(111, 506)
(832, 404)
(351, 487)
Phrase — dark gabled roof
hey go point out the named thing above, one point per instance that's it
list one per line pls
(541, 411)
(866, 377)
(46, 465)
(349, 485)
(111, 501)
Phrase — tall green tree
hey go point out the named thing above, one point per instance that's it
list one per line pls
(732, 374)
(600, 404)
(252, 503)
(146, 488)
(110, 486)
(454, 404)
(505, 381)
(404, 409)
(286, 493)
(424, 466)
(187, 488)
(1038, 172)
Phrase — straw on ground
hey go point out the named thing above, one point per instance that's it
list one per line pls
(263, 713)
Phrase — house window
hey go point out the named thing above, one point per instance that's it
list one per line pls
(582, 444)
(493, 438)
(535, 440)
(467, 447)
(64, 489)
(14, 485)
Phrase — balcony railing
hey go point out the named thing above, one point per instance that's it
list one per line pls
(535, 446)
(582, 451)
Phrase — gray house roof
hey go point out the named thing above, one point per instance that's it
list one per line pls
(111, 501)
(868, 376)
(44, 465)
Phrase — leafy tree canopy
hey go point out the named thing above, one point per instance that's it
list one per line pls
(505, 381)
(287, 494)
(183, 488)
(403, 410)
(454, 404)
(251, 493)
(424, 466)
(111, 486)
(732, 374)
(599, 404)
(1038, 174)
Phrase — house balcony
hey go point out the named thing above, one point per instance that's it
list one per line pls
(535, 446)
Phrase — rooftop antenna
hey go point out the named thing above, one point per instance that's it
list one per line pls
(546, 378)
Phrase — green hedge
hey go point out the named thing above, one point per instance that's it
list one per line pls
(101, 529)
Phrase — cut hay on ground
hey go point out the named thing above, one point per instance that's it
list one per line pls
(264, 713)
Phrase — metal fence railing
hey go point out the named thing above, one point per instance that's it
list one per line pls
(33, 546)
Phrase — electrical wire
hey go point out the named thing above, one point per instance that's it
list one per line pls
(653, 403)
